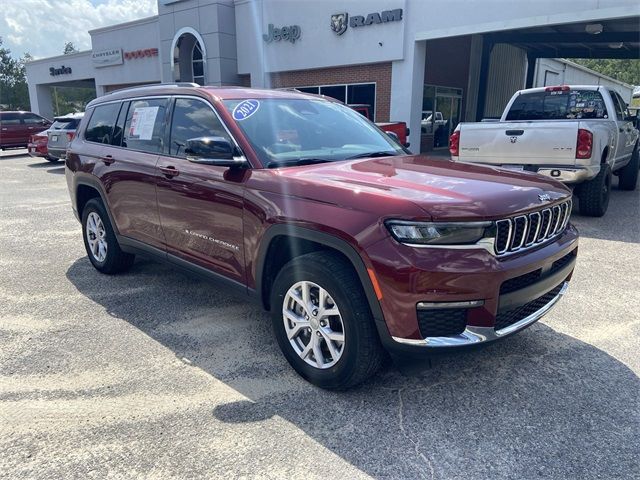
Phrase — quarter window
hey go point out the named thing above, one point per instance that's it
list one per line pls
(144, 128)
(193, 119)
(32, 119)
(100, 127)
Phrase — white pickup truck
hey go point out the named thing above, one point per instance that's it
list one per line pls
(580, 135)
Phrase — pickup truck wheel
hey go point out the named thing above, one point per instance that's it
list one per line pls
(629, 173)
(594, 194)
(100, 240)
(323, 323)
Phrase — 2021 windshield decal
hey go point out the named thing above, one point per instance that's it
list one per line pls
(245, 109)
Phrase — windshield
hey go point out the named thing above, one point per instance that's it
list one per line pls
(65, 124)
(558, 105)
(288, 130)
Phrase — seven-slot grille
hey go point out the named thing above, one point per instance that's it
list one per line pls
(524, 231)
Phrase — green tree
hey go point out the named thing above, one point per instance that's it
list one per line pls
(69, 48)
(627, 71)
(14, 93)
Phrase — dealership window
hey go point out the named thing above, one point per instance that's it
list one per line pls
(441, 113)
(197, 64)
(351, 94)
(189, 57)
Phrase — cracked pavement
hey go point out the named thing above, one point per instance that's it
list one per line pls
(155, 374)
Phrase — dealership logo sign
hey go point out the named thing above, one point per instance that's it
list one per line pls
(146, 52)
(106, 58)
(340, 21)
(54, 72)
(288, 34)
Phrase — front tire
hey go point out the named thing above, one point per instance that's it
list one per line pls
(594, 195)
(100, 240)
(322, 321)
(629, 173)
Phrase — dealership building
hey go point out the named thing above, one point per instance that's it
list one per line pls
(431, 63)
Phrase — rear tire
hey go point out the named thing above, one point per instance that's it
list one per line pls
(358, 355)
(100, 240)
(629, 173)
(594, 195)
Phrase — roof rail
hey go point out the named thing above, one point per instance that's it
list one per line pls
(156, 85)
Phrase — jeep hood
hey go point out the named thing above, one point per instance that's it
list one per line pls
(440, 188)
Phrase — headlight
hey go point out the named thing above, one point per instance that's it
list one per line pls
(436, 233)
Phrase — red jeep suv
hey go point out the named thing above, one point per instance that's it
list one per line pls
(353, 244)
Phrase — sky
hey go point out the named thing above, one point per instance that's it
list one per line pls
(41, 27)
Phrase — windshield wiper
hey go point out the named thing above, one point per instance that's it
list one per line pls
(296, 161)
(372, 155)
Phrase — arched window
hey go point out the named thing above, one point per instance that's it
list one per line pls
(189, 57)
(197, 64)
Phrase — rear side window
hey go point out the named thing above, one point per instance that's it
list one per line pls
(10, 119)
(33, 119)
(100, 127)
(144, 127)
(192, 119)
(558, 105)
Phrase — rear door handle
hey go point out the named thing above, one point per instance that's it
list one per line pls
(107, 159)
(512, 133)
(169, 171)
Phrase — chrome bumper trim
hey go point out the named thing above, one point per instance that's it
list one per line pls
(477, 335)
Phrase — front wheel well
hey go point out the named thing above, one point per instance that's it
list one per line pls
(281, 250)
(83, 195)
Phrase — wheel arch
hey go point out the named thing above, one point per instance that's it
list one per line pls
(298, 241)
(87, 188)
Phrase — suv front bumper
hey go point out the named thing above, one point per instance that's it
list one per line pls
(470, 296)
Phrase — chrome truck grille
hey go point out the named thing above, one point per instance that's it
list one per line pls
(526, 231)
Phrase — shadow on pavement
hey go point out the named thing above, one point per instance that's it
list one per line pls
(46, 164)
(622, 205)
(539, 404)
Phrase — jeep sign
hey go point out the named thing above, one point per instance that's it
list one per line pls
(289, 34)
(340, 21)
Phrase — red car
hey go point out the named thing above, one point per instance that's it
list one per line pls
(353, 244)
(37, 146)
(16, 128)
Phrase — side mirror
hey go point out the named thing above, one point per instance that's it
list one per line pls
(216, 151)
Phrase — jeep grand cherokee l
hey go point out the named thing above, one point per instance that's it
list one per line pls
(297, 201)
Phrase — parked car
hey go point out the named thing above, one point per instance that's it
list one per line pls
(17, 127)
(580, 135)
(61, 133)
(398, 130)
(37, 146)
(428, 124)
(298, 202)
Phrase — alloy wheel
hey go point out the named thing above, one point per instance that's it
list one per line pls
(313, 324)
(96, 237)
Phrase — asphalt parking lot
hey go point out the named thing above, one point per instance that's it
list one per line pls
(154, 374)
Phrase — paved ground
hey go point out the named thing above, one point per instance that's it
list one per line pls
(154, 374)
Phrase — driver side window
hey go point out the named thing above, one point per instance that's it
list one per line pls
(193, 118)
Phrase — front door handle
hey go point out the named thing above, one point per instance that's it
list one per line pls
(169, 171)
(107, 159)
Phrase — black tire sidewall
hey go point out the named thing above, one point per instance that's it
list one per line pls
(337, 375)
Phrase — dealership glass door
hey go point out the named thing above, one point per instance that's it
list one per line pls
(441, 113)
(449, 103)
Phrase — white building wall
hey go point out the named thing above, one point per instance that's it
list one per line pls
(132, 36)
(553, 71)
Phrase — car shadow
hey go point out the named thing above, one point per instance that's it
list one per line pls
(45, 164)
(56, 171)
(540, 404)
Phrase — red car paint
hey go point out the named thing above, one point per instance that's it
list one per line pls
(398, 128)
(345, 202)
(37, 146)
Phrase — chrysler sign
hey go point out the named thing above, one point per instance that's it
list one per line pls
(107, 58)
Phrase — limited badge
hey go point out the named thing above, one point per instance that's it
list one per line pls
(245, 109)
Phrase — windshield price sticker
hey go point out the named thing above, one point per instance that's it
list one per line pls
(245, 109)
